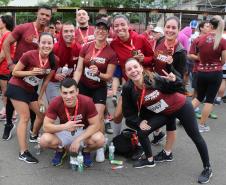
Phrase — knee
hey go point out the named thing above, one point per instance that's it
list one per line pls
(97, 139)
(24, 118)
(45, 140)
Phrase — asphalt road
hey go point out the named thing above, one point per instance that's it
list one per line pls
(184, 170)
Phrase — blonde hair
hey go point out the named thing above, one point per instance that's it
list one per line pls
(218, 24)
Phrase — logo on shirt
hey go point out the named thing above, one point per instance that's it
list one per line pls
(153, 95)
(78, 117)
(99, 60)
(209, 40)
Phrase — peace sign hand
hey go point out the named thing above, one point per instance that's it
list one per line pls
(169, 76)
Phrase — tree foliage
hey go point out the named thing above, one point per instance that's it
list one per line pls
(4, 2)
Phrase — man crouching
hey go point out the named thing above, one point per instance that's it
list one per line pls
(79, 123)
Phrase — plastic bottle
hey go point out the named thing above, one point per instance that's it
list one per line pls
(80, 160)
(73, 162)
(38, 147)
(106, 143)
(111, 151)
(65, 69)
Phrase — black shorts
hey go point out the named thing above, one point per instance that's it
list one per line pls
(5, 77)
(99, 95)
(208, 84)
(17, 93)
(194, 80)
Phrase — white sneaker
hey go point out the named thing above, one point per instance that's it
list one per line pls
(100, 155)
(204, 128)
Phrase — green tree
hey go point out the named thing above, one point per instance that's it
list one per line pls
(4, 2)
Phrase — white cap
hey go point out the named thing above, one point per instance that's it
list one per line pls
(158, 30)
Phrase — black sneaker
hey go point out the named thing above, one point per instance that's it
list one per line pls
(205, 175)
(161, 157)
(157, 139)
(108, 128)
(7, 134)
(144, 163)
(138, 154)
(27, 157)
(33, 139)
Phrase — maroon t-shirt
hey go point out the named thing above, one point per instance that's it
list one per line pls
(156, 101)
(105, 57)
(4, 70)
(86, 110)
(124, 49)
(161, 53)
(194, 50)
(210, 58)
(67, 56)
(87, 35)
(30, 60)
(26, 38)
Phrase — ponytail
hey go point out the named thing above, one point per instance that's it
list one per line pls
(52, 61)
(218, 24)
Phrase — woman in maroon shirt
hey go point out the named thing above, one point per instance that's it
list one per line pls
(147, 92)
(211, 49)
(32, 67)
(96, 65)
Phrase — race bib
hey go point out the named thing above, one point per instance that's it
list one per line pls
(91, 37)
(162, 58)
(158, 107)
(90, 75)
(32, 80)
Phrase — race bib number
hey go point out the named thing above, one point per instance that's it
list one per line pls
(158, 107)
(32, 80)
(91, 37)
(90, 75)
(162, 58)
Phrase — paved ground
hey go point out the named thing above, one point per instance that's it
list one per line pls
(184, 170)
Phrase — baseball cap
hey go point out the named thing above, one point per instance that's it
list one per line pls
(194, 24)
(158, 30)
(102, 22)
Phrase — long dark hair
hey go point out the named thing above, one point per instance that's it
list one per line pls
(51, 54)
(8, 21)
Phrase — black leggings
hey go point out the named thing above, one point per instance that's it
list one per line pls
(208, 84)
(187, 118)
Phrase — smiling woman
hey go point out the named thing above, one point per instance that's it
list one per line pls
(32, 67)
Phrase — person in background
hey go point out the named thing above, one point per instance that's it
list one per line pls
(148, 34)
(6, 26)
(211, 54)
(84, 33)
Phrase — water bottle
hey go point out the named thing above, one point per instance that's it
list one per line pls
(106, 143)
(65, 69)
(73, 162)
(38, 147)
(80, 160)
(111, 151)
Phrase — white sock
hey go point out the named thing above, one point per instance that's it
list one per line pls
(218, 98)
(116, 128)
(167, 152)
(156, 133)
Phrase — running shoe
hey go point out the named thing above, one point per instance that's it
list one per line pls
(213, 115)
(144, 163)
(162, 156)
(7, 134)
(205, 175)
(157, 139)
(59, 157)
(28, 157)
